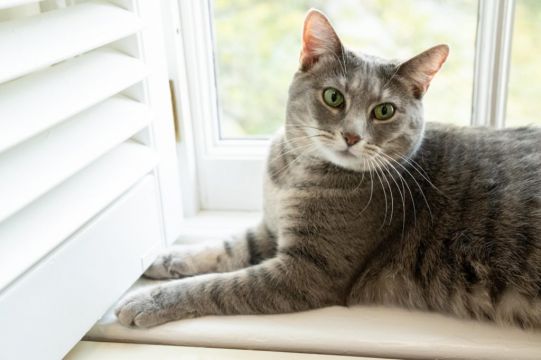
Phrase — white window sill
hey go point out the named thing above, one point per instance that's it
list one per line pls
(90, 350)
(360, 331)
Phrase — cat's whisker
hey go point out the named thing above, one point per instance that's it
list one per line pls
(376, 170)
(371, 190)
(417, 183)
(372, 147)
(402, 197)
(419, 186)
(294, 149)
(300, 135)
(296, 146)
(309, 127)
(309, 147)
(382, 169)
(404, 182)
(364, 166)
(372, 154)
(386, 165)
(421, 171)
(411, 161)
(285, 154)
(362, 178)
(304, 137)
(325, 136)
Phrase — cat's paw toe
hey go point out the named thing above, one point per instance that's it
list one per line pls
(160, 267)
(140, 310)
(167, 266)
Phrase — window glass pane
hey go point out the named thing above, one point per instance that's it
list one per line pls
(257, 46)
(524, 89)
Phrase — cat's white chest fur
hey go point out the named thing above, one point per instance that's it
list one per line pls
(275, 206)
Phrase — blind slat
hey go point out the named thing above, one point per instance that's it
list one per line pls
(41, 100)
(35, 231)
(34, 167)
(33, 43)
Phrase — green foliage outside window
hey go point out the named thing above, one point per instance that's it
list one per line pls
(257, 44)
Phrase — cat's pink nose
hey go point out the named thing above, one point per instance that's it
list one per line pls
(351, 139)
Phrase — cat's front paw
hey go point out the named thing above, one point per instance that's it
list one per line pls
(173, 264)
(164, 267)
(142, 309)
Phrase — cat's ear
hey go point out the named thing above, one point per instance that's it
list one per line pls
(318, 38)
(420, 70)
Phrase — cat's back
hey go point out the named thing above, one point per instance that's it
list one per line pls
(483, 163)
(522, 144)
(487, 182)
(477, 251)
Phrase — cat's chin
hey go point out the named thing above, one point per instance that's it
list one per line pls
(347, 160)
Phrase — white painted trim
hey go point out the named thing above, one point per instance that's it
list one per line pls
(197, 47)
(492, 60)
(177, 72)
(503, 58)
(162, 135)
(237, 163)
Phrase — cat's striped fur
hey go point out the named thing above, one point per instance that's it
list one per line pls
(450, 223)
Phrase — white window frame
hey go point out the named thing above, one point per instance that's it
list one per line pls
(236, 166)
(492, 62)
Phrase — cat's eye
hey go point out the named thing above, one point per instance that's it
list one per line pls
(333, 97)
(384, 111)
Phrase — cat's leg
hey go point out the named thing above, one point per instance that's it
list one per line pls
(246, 249)
(279, 285)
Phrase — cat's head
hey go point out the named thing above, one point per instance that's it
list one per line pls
(354, 110)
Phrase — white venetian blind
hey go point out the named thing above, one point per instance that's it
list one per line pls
(74, 120)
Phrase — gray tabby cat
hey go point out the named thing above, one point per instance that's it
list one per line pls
(364, 205)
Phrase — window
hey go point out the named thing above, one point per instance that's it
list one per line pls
(257, 44)
(240, 57)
